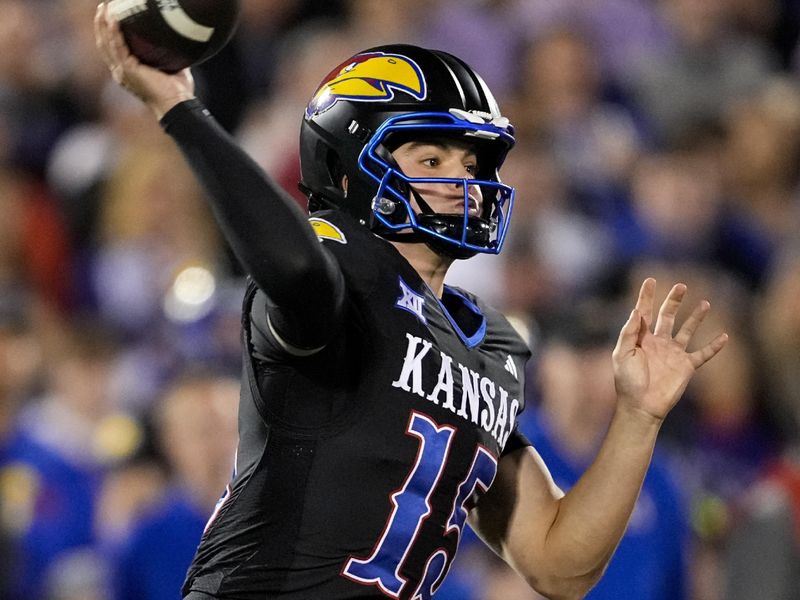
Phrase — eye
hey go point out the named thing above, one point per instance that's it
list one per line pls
(431, 162)
(472, 169)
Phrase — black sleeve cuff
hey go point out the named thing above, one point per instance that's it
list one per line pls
(187, 109)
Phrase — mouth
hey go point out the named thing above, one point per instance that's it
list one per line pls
(473, 207)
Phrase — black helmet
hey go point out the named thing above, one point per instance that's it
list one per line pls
(373, 102)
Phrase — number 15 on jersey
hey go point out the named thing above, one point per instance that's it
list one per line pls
(412, 507)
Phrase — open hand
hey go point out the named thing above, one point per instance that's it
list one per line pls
(158, 90)
(653, 368)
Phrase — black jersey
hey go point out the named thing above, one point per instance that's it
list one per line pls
(358, 463)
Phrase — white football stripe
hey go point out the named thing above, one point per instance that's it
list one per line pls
(121, 9)
(183, 24)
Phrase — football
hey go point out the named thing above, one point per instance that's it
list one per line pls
(171, 35)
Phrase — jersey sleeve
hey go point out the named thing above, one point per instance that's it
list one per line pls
(266, 342)
(515, 441)
(266, 229)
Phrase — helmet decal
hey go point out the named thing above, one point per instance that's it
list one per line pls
(369, 77)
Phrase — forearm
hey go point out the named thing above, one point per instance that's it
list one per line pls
(561, 543)
(593, 515)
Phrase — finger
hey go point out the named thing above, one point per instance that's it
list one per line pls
(687, 330)
(98, 15)
(644, 304)
(669, 308)
(628, 335)
(101, 35)
(109, 50)
(707, 352)
(116, 44)
(122, 59)
(644, 330)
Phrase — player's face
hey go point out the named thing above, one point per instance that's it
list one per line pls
(445, 158)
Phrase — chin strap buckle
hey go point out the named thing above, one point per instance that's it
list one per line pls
(384, 206)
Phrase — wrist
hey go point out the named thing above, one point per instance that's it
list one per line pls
(638, 418)
(162, 106)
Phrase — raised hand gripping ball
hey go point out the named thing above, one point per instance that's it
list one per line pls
(171, 35)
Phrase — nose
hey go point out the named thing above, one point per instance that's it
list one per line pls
(473, 193)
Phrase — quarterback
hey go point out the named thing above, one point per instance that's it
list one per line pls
(379, 406)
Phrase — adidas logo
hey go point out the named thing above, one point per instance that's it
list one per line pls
(511, 368)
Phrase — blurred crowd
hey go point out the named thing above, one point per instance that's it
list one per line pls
(655, 137)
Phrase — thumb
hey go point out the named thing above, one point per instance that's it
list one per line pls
(628, 335)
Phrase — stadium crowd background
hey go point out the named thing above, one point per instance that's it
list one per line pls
(654, 137)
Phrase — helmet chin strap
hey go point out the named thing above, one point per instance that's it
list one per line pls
(407, 236)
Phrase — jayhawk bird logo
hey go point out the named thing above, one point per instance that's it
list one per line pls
(369, 77)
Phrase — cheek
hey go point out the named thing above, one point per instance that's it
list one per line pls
(435, 194)
(410, 170)
(428, 189)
